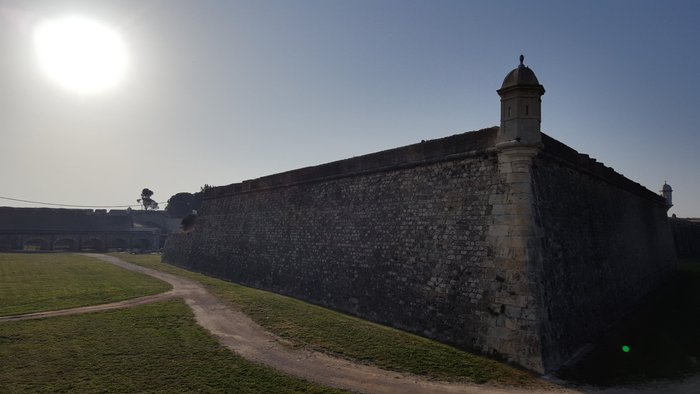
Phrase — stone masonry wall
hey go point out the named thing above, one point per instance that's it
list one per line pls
(405, 248)
(523, 251)
(686, 234)
(409, 247)
(604, 247)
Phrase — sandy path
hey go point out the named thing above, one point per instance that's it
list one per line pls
(92, 308)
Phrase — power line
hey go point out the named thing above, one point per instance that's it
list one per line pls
(73, 205)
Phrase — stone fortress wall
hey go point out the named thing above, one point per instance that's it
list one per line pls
(606, 244)
(501, 240)
(686, 234)
(397, 237)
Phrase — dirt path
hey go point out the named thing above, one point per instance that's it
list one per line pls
(242, 335)
(93, 308)
(239, 333)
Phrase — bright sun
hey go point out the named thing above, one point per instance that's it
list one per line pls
(80, 54)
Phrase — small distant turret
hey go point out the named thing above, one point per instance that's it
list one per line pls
(667, 193)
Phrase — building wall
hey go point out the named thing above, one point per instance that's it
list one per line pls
(605, 246)
(60, 219)
(405, 247)
(686, 234)
(525, 253)
(78, 240)
(73, 229)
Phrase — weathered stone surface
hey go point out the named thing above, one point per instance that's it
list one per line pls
(502, 240)
(686, 236)
(526, 253)
(604, 247)
(405, 247)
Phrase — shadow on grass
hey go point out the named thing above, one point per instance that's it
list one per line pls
(661, 336)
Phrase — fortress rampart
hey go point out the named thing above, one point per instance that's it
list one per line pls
(513, 245)
(73, 230)
(606, 243)
(686, 235)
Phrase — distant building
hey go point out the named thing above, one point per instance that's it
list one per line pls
(686, 236)
(75, 230)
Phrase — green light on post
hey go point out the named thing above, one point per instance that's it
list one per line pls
(625, 348)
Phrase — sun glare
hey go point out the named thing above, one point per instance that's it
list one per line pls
(80, 54)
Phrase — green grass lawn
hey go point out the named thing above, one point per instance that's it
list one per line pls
(152, 348)
(313, 327)
(663, 337)
(42, 282)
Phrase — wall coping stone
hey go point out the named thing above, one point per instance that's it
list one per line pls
(454, 147)
(469, 144)
(570, 157)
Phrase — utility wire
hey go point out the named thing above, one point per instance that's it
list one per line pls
(73, 205)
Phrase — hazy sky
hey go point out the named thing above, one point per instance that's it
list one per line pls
(222, 91)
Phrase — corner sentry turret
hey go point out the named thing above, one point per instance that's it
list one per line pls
(521, 104)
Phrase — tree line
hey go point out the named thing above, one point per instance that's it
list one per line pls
(178, 206)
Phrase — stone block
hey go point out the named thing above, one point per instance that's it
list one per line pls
(496, 199)
(523, 178)
(499, 230)
(512, 312)
(502, 209)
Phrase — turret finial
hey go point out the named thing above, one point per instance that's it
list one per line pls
(522, 58)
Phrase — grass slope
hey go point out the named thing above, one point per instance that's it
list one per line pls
(42, 282)
(662, 336)
(313, 327)
(152, 348)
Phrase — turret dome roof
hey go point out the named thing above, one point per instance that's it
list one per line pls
(521, 76)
